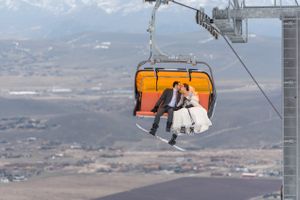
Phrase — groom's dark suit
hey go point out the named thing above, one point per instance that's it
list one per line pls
(162, 106)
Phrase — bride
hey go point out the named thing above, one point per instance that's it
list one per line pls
(191, 118)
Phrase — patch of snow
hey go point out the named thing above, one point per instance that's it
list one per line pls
(251, 87)
(252, 35)
(106, 43)
(96, 88)
(23, 93)
(61, 90)
(206, 40)
(101, 47)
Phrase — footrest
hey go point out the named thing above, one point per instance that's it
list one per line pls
(147, 114)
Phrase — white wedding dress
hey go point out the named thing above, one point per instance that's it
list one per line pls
(192, 120)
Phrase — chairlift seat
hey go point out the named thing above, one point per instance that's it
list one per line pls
(150, 83)
(149, 100)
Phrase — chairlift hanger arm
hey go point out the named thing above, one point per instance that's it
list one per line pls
(257, 12)
(154, 49)
(201, 18)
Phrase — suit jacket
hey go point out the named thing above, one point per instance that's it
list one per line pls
(166, 98)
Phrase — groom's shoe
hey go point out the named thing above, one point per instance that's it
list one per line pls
(173, 140)
(168, 128)
(153, 129)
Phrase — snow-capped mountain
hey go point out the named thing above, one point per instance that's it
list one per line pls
(68, 6)
(109, 6)
(114, 6)
(57, 18)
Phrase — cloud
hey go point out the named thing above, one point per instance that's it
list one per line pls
(109, 6)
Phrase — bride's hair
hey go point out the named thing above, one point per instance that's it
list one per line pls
(187, 87)
(190, 89)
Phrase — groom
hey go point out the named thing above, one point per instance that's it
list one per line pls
(166, 103)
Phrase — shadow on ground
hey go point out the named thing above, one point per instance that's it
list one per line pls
(193, 188)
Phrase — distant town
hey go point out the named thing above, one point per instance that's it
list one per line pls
(35, 157)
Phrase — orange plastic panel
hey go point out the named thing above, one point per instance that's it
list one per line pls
(148, 84)
(164, 83)
(149, 100)
(204, 100)
(146, 80)
(201, 82)
(147, 114)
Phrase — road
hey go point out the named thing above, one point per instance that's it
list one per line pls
(194, 188)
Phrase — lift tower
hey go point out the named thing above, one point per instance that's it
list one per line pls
(232, 22)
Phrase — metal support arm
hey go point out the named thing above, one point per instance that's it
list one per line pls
(257, 12)
(154, 49)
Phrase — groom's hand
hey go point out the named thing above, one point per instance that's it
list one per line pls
(154, 110)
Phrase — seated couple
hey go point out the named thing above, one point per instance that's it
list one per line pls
(185, 114)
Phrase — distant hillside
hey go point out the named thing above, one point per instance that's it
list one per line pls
(108, 61)
(117, 50)
(242, 120)
(44, 19)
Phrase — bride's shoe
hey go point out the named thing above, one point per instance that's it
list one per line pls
(192, 129)
(182, 129)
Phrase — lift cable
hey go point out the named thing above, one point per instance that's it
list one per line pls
(181, 4)
(251, 75)
(241, 61)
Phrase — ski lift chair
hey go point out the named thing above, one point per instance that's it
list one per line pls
(151, 80)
